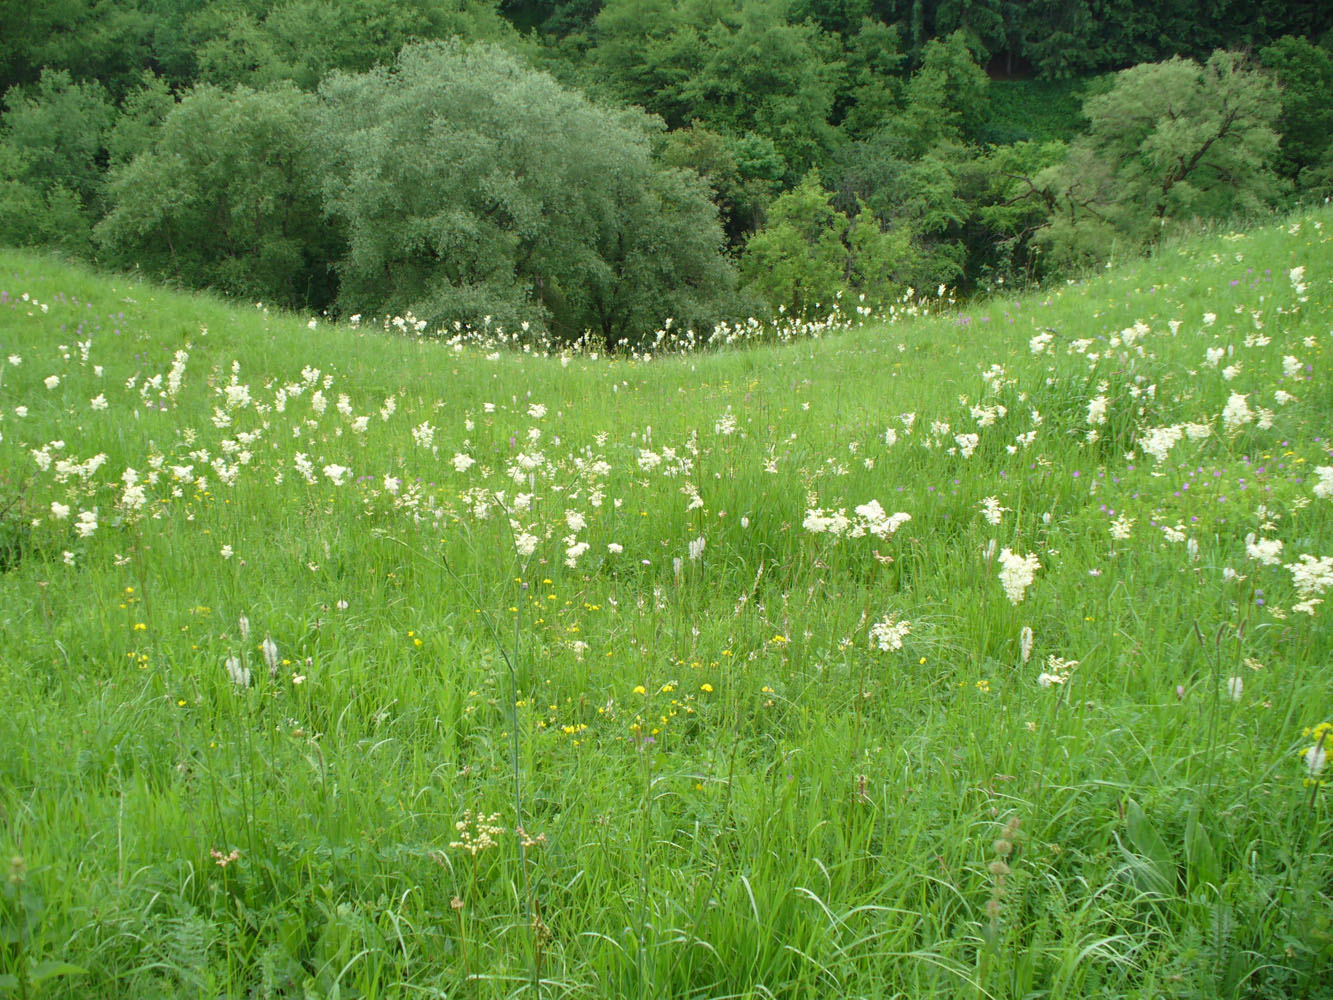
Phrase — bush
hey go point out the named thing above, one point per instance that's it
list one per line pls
(227, 196)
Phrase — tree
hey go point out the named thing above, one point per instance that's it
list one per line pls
(1170, 140)
(473, 187)
(227, 196)
(54, 133)
(809, 253)
(737, 70)
(1305, 74)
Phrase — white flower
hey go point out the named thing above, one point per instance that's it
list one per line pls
(15, 360)
(525, 544)
(1236, 414)
(1025, 642)
(463, 462)
(697, 547)
(992, 511)
(1235, 687)
(1121, 527)
(536, 411)
(227, 552)
(1057, 671)
(240, 675)
(1267, 551)
(52, 381)
(573, 552)
(1209, 318)
(59, 511)
(1324, 487)
(1017, 573)
(270, 649)
(87, 523)
(337, 474)
(98, 402)
(888, 635)
(1316, 758)
(615, 548)
(1291, 365)
(575, 520)
(1097, 411)
(424, 434)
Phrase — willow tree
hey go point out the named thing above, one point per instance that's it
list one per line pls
(472, 186)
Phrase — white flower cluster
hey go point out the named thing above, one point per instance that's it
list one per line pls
(1311, 577)
(888, 635)
(1017, 573)
(870, 519)
(1057, 671)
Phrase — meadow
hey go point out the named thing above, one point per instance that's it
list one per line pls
(976, 651)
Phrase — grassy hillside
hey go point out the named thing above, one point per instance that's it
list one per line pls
(344, 664)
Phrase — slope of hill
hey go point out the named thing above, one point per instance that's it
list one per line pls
(981, 654)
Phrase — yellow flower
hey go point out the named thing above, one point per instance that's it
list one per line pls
(640, 689)
(706, 688)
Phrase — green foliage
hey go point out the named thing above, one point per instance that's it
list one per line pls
(872, 92)
(1169, 141)
(737, 70)
(60, 127)
(743, 174)
(809, 254)
(947, 98)
(1034, 110)
(226, 195)
(52, 140)
(477, 190)
(305, 40)
(1305, 74)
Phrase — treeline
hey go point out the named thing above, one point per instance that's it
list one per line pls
(609, 166)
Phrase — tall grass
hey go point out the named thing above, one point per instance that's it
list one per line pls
(726, 788)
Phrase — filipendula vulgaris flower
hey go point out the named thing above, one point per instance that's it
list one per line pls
(1017, 573)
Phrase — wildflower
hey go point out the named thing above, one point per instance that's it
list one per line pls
(1025, 642)
(424, 435)
(1236, 414)
(1058, 671)
(525, 544)
(697, 548)
(52, 381)
(992, 511)
(227, 552)
(239, 674)
(1097, 411)
(888, 635)
(1267, 551)
(270, 649)
(98, 402)
(1120, 527)
(615, 548)
(1324, 487)
(337, 474)
(1316, 755)
(1235, 687)
(243, 626)
(463, 462)
(59, 511)
(1017, 573)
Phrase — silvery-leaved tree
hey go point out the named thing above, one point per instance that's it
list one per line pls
(472, 186)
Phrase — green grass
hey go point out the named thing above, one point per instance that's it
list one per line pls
(729, 790)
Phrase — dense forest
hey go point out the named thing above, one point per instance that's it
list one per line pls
(606, 166)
